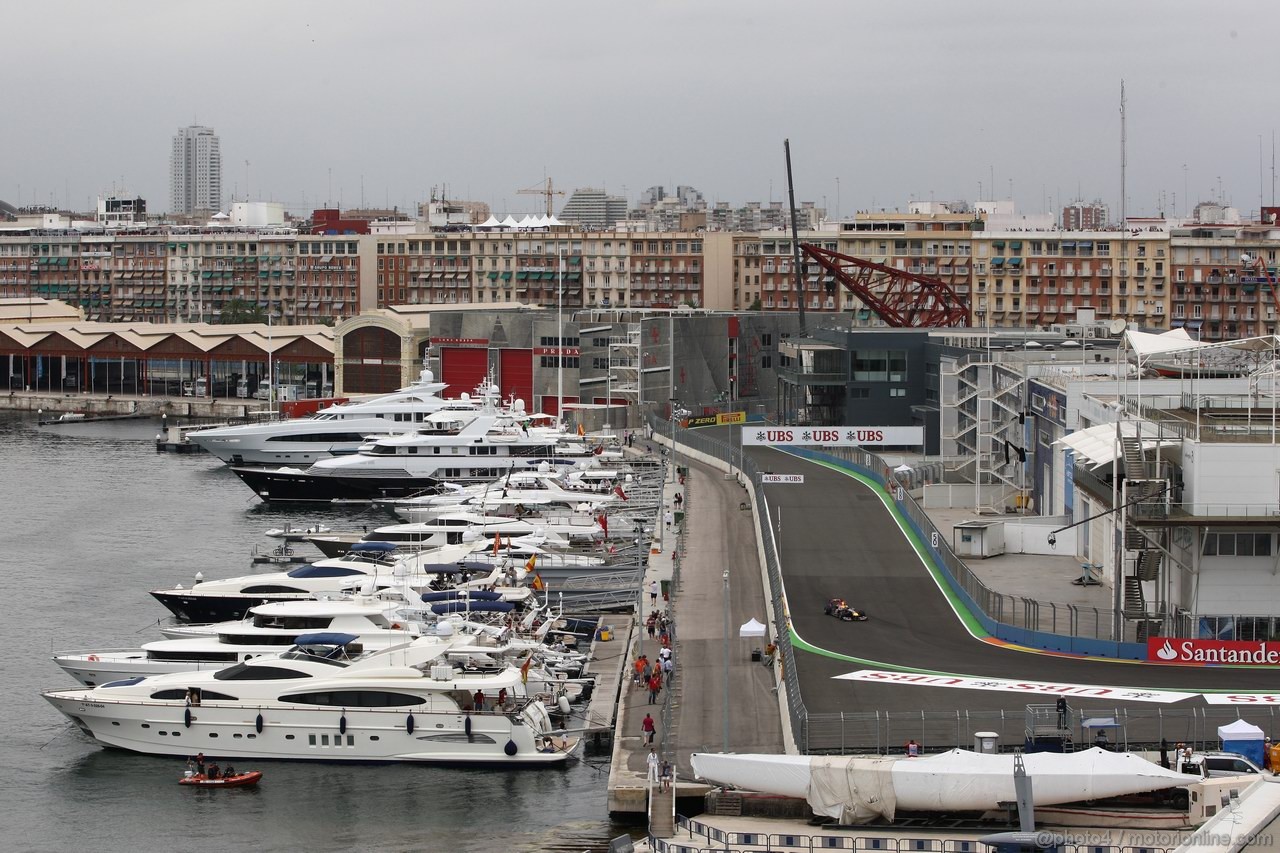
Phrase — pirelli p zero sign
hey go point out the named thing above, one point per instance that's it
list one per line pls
(845, 436)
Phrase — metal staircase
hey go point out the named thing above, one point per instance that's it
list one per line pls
(662, 820)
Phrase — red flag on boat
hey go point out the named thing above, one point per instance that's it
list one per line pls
(604, 523)
(599, 449)
(533, 559)
(581, 431)
(497, 543)
(524, 669)
(537, 583)
(618, 491)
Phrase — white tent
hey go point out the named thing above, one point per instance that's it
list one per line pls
(752, 628)
(554, 221)
(902, 469)
(510, 222)
(1240, 730)
(491, 222)
(527, 222)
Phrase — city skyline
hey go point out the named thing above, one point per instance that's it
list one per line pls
(318, 106)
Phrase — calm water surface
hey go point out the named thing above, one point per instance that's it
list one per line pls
(93, 518)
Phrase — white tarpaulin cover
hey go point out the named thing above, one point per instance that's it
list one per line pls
(1097, 445)
(902, 469)
(852, 791)
(847, 788)
(751, 629)
(1240, 730)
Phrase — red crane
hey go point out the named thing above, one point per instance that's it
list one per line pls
(902, 299)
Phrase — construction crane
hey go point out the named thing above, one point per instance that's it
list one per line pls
(902, 299)
(545, 190)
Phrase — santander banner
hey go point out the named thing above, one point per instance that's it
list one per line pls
(1174, 650)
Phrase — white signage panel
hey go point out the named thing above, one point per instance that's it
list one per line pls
(1005, 685)
(843, 436)
(782, 478)
(1242, 698)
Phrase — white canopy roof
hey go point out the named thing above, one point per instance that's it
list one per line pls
(1239, 730)
(1147, 344)
(491, 222)
(1097, 445)
(510, 222)
(554, 221)
(527, 222)
(752, 628)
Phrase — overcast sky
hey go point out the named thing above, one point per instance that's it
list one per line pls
(883, 101)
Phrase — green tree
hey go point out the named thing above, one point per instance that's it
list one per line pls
(237, 311)
(755, 305)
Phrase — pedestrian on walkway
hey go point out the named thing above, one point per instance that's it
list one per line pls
(646, 672)
(639, 669)
(913, 749)
(668, 669)
(655, 685)
(647, 728)
(653, 766)
(653, 591)
(666, 776)
(664, 654)
(652, 625)
(679, 499)
(670, 518)
(665, 639)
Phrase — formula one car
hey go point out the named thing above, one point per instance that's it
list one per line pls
(840, 609)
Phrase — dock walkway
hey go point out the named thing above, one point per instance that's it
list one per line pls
(690, 715)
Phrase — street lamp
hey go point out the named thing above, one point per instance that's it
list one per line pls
(672, 407)
(726, 659)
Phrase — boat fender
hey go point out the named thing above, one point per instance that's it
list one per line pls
(408, 724)
(466, 725)
(342, 722)
(186, 717)
(563, 703)
(257, 724)
(93, 658)
(510, 748)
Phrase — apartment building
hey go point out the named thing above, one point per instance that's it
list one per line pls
(1222, 280)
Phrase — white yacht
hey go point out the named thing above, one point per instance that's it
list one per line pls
(447, 447)
(333, 431)
(460, 527)
(405, 703)
(373, 621)
(231, 598)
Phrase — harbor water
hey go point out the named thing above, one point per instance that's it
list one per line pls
(94, 518)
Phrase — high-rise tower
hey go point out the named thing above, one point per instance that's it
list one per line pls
(195, 171)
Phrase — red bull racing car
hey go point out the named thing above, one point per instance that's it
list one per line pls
(840, 609)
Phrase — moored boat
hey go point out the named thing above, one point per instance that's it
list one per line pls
(239, 780)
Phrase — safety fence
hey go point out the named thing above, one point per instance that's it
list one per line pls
(694, 836)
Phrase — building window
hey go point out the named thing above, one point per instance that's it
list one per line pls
(859, 393)
(897, 392)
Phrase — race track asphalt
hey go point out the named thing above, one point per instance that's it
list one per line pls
(838, 539)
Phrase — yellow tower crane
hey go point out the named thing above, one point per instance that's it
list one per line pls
(546, 190)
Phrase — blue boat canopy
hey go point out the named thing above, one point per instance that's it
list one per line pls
(383, 547)
(325, 638)
(314, 571)
(451, 594)
(128, 682)
(462, 605)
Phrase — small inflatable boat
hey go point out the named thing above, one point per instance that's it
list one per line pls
(240, 780)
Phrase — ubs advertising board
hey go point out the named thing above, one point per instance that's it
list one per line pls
(844, 436)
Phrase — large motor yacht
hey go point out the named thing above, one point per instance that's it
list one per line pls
(333, 431)
(231, 598)
(446, 447)
(404, 703)
(375, 621)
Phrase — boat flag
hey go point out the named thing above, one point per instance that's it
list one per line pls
(599, 450)
(537, 583)
(497, 543)
(618, 491)
(533, 559)
(581, 431)
(604, 523)
(524, 669)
